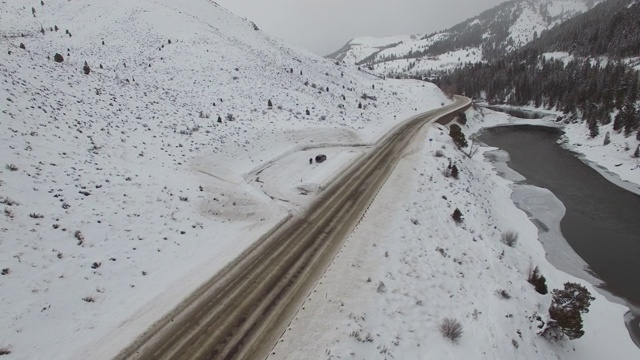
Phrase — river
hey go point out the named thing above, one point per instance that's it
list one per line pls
(601, 220)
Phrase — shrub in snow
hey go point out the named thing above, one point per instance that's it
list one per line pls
(89, 299)
(79, 236)
(636, 154)
(58, 58)
(457, 215)
(86, 69)
(22, 46)
(566, 311)
(462, 118)
(509, 238)
(538, 281)
(11, 167)
(219, 119)
(230, 117)
(269, 104)
(36, 216)
(439, 153)
(308, 112)
(382, 288)
(451, 329)
(455, 172)
(5, 351)
(458, 136)
(503, 294)
(5, 271)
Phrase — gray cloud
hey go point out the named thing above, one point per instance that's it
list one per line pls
(323, 26)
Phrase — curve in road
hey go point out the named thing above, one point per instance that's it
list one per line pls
(242, 311)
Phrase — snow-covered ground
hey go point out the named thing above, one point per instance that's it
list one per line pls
(408, 266)
(120, 190)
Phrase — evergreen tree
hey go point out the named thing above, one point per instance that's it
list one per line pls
(594, 130)
(458, 136)
(457, 215)
(269, 104)
(567, 307)
(607, 139)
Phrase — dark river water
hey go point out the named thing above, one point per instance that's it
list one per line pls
(602, 220)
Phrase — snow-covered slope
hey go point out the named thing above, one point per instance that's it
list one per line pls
(359, 48)
(120, 190)
(494, 32)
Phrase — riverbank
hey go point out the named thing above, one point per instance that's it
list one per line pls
(547, 211)
(614, 161)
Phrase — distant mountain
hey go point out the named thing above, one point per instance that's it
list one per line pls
(586, 67)
(494, 33)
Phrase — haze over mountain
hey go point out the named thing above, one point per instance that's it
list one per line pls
(493, 33)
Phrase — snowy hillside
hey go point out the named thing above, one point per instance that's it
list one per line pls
(495, 32)
(124, 188)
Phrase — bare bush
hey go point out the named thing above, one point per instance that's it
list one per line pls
(79, 236)
(89, 299)
(382, 288)
(509, 238)
(439, 153)
(36, 216)
(503, 294)
(451, 329)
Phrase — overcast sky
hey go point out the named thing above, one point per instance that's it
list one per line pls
(323, 26)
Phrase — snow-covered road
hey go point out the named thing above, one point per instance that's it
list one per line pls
(241, 312)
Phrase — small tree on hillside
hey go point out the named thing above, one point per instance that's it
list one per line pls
(607, 139)
(566, 311)
(270, 104)
(458, 136)
(457, 215)
(538, 281)
(636, 154)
